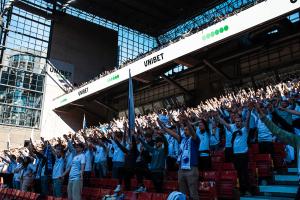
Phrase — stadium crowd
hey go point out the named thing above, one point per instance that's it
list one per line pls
(172, 139)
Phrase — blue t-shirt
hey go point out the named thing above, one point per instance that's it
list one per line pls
(77, 161)
(118, 155)
(88, 160)
(240, 142)
(228, 135)
(58, 168)
(100, 154)
(204, 141)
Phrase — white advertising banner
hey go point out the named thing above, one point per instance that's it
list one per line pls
(231, 26)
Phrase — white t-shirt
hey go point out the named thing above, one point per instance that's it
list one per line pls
(58, 168)
(77, 161)
(240, 143)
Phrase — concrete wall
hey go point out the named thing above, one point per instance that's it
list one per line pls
(16, 136)
(90, 48)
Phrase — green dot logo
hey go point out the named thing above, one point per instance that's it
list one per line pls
(207, 36)
(215, 33)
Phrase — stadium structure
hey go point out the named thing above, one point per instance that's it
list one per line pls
(177, 52)
(63, 61)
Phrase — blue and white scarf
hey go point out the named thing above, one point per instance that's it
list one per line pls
(184, 158)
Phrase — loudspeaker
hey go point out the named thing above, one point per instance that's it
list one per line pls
(293, 1)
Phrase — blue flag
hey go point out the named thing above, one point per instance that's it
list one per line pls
(84, 125)
(131, 115)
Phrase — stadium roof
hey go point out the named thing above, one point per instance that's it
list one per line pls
(153, 17)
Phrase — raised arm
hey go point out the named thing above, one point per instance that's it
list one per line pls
(121, 146)
(293, 112)
(52, 149)
(147, 147)
(169, 131)
(284, 136)
(222, 121)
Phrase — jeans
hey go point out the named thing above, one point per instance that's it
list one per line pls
(126, 174)
(100, 169)
(204, 163)
(26, 183)
(115, 169)
(241, 166)
(228, 154)
(188, 182)
(16, 185)
(57, 187)
(44, 185)
(74, 189)
(266, 147)
(158, 179)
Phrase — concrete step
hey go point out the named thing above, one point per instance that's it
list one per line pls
(265, 198)
(279, 190)
(286, 178)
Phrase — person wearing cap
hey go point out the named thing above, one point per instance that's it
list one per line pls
(159, 154)
(76, 173)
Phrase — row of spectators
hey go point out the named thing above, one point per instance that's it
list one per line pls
(177, 139)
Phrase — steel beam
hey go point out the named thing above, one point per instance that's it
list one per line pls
(206, 62)
(177, 85)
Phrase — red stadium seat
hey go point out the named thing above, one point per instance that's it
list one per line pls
(27, 195)
(130, 195)
(207, 190)
(22, 195)
(144, 196)
(254, 148)
(227, 167)
(172, 176)
(264, 165)
(50, 198)
(278, 147)
(3, 192)
(33, 196)
(104, 192)
(134, 183)
(216, 162)
(218, 154)
(158, 196)
(253, 177)
(211, 176)
(170, 186)
(10, 194)
(228, 184)
(149, 185)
